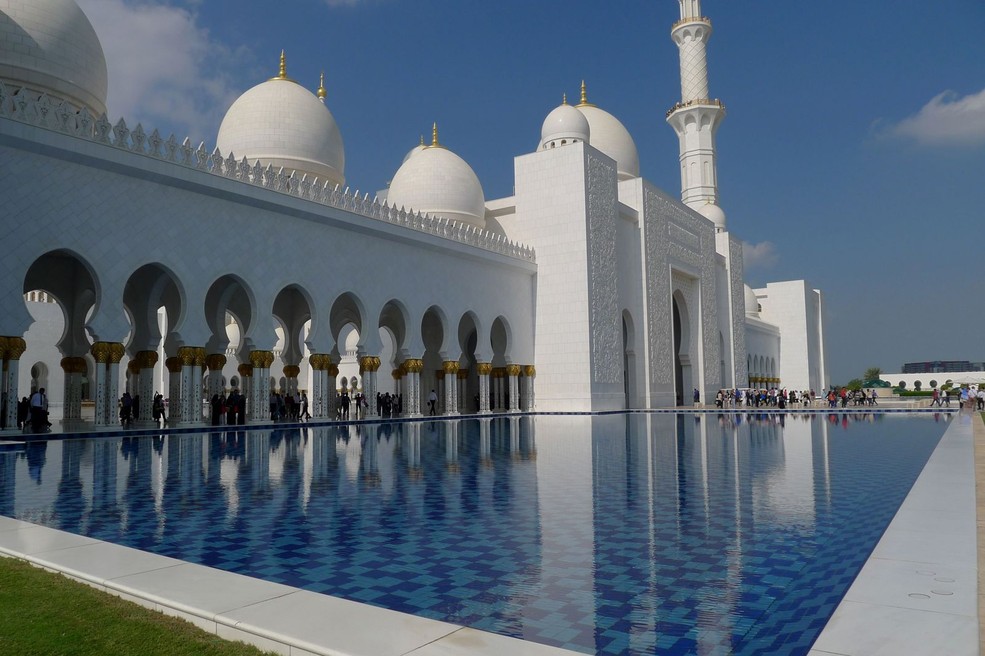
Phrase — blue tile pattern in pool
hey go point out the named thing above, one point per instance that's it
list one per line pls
(614, 534)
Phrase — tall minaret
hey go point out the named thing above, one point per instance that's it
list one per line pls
(697, 116)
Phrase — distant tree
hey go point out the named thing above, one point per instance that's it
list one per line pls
(872, 373)
(902, 384)
(933, 383)
(854, 384)
(917, 385)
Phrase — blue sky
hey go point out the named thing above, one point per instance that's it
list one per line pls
(853, 153)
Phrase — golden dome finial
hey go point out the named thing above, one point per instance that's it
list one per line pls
(283, 66)
(584, 97)
(321, 87)
(564, 99)
(422, 139)
(434, 135)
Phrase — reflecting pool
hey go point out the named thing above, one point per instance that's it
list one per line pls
(615, 534)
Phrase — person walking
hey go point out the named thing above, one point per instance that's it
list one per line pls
(305, 415)
(432, 402)
(39, 412)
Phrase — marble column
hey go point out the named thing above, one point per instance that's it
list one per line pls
(483, 369)
(412, 399)
(529, 374)
(318, 376)
(463, 402)
(369, 365)
(440, 403)
(173, 409)
(513, 372)
(332, 388)
(261, 361)
(215, 363)
(450, 368)
(75, 368)
(498, 374)
(291, 373)
(198, 370)
(245, 372)
(13, 348)
(100, 353)
(145, 361)
(111, 408)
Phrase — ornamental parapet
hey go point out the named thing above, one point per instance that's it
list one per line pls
(693, 19)
(54, 114)
(697, 102)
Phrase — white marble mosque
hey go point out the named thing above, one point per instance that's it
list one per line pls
(588, 289)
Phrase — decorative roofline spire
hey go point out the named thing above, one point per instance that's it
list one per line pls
(422, 140)
(282, 71)
(321, 88)
(434, 136)
(584, 97)
(564, 99)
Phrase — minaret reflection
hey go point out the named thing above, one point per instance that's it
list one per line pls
(105, 507)
(451, 446)
(69, 500)
(370, 455)
(412, 450)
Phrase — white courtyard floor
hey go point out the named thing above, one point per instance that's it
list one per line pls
(916, 595)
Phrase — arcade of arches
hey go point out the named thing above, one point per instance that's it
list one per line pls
(466, 360)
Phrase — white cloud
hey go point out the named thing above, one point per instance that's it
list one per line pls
(165, 70)
(947, 120)
(759, 256)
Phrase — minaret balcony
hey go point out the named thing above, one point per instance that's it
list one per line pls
(697, 102)
(691, 20)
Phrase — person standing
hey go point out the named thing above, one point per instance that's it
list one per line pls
(304, 407)
(39, 412)
(432, 402)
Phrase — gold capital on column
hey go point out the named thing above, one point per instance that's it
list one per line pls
(15, 348)
(215, 361)
(463, 374)
(116, 352)
(100, 351)
(376, 363)
(133, 368)
(257, 359)
(3, 348)
(484, 368)
(245, 370)
(333, 370)
(146, 359)
(440, 374)
(186, 355)
(199, 356)
(529, 370)
(513, 369)
(414, 365)
(450, 366)
(173, 364)
(291, 370)
(397, 373)
(74, 365)
(366, 363)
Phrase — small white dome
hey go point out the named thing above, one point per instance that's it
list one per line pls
(713, 213)
(752, 303)
(436, 181)
(413, 151)
(611, 137)
(282, 124)
(50, 46)
(563, 125)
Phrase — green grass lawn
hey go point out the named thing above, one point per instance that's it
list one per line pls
(47, 614)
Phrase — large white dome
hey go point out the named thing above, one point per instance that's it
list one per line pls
(611, 137)
(436, 181)
(282, 124)
(49, 46)
(564, 125)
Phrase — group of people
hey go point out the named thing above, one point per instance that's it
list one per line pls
(771, 397)
(970, 395)
(32, 413)
(289, 407)
(847, 397)
(129, 409)
(227, 410)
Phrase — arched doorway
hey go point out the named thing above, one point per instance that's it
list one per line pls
(683, 380)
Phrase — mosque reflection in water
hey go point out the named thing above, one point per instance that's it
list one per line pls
(642, 530)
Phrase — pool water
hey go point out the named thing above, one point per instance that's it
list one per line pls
(613, 534)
